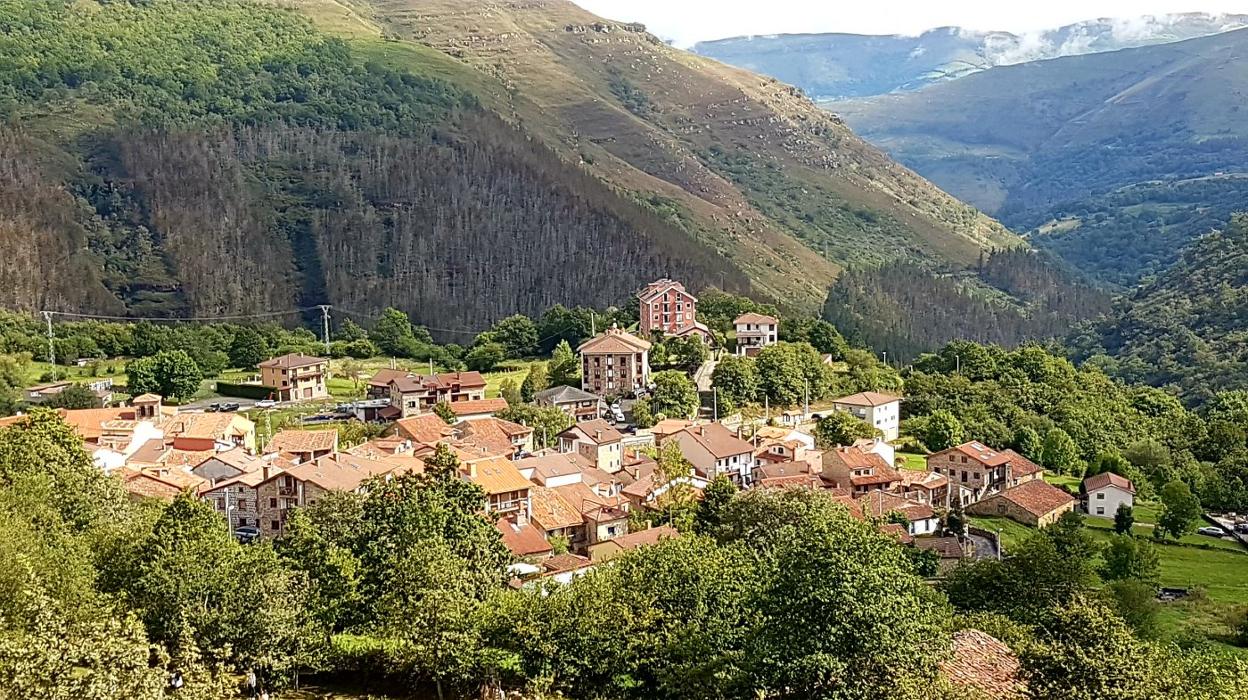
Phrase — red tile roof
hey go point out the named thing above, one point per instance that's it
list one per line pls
(984, 665)
(292, 361)
(1106, 479)
(979, 452)
(751, 317)
(613, 341)
(1020, 465)
(867, 398)
(523, 540)
(1037, 497)
(426, 429)
(472, 408)
(302, 441)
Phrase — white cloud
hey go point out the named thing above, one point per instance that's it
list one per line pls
(689, 21)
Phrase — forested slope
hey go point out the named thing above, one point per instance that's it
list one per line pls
(233, 157)
(1189, 328)
(220, 158)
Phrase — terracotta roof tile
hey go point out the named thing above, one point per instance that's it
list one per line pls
(1020, 465)
(752, 317)
(552, 511)
(426, 429)
(469, 408)
(1105, 479)
(983, 664)
(523, 540)
(867, 398)
(292, 361)
(1037, 497)
(497, 475)
(302, 441)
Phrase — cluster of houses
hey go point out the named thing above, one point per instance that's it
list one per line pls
(565, 509)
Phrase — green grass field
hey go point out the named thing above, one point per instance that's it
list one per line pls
(1219, 574)
(914, 462)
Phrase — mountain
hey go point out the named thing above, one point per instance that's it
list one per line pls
(1187, 329)
(1113, 161)
(463, 164)
(837, 66)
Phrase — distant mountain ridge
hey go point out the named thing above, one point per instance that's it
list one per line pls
(1114, 161)
(836, 66)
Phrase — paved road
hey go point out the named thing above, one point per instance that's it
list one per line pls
(984, 546)
(702, 377)
(243, 404)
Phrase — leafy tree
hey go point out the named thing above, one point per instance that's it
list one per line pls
(248, 348)
(1135, 601)
(715, 499)
(13, 371)
(564, 368)
(518, 334)
(349, 331)
(814, 631)
(643, 415)
(838, 428)
(1027, 443)
(430, 603)
(1060, 453)
(443, 463)
(1130, 558)
(510, 392)
(687, 353)
(361, 349)
(546, 421)
(1124, 519)
(943, 430)
(445, 412)
(73, 396)
(1087, 653)
(674, 395)
(393, 333)
(736, 380)
(534, 382)
(170, 373)
(1180, 510)
(789, 372)
(485, 357)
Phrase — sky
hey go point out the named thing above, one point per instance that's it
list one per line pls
(687, 21)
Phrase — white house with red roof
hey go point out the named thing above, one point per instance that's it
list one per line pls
(1104, 493)
(755, 332)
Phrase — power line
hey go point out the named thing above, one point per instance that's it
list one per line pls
(180, 319)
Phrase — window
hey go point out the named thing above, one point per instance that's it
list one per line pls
(272, 502)
(1100, 496)
(1100, 510)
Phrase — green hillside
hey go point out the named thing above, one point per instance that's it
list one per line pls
(1112, 161)
(232, 157)
(1188, 329)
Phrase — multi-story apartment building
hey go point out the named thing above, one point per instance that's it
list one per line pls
(667, 308)
(295, 377)
(615, 363)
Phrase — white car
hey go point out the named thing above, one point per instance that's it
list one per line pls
(1211, 531)
(266, 403)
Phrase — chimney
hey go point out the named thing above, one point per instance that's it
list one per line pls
(267, 471)
(598, 436)
(472, 469)
(702, 430)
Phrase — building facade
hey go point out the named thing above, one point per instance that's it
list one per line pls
(667, 308)
(755, 332)
(296, 377)
(880, 411)
(615, 363)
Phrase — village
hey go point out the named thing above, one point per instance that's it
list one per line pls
(568, 502)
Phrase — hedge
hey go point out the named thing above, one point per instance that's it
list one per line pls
(244, 391)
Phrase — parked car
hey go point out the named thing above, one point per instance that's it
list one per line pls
(266, 403)
(228, 407)
(617, 414)
(1241, 527)
(1212, 531)
(212, 408)
(247, 534)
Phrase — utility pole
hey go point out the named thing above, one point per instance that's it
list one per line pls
(47, 316)
(806, 405)
(715, 401)
(593, 325)
(325, 326)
